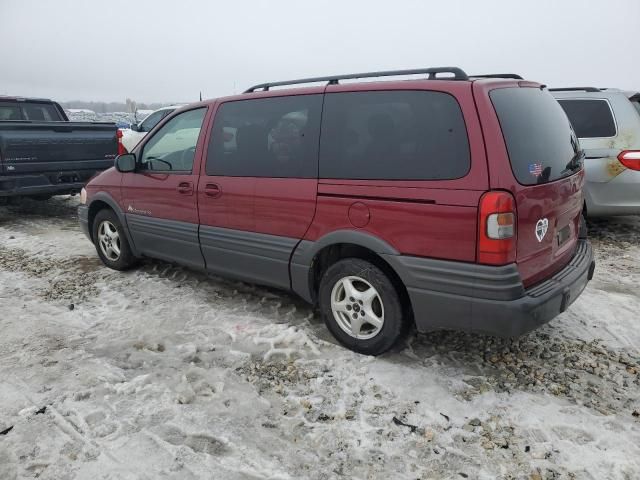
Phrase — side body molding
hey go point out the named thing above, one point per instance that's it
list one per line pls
(109, 200)
(306, 250)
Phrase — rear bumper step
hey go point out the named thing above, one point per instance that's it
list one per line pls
(475, 299)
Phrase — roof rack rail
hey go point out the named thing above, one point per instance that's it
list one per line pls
(458, 74)
(499, 75)
(575, 89)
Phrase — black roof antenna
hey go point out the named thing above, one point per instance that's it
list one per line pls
(200, 96)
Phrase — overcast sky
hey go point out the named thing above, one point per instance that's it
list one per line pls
(169, 50)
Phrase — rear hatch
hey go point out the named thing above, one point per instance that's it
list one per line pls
(38, 147)
(546, 160)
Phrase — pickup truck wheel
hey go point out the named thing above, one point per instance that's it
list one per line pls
(361, 306)
(111, 242)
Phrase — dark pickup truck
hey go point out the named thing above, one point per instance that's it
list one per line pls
(42, 153)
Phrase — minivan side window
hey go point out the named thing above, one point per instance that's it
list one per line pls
(393, 135)
(172, 148)
(590, 118)
(267, 137)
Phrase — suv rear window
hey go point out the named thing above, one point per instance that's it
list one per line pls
(590, 118)
(393, 135)
(541, 143)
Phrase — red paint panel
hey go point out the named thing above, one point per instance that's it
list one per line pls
(232, 207)
(436, 231)
(161, 195)
(284, 206)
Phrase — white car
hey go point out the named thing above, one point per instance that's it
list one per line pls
(607, 122)
(131, 137)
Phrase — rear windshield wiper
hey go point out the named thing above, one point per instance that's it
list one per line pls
(574, 164)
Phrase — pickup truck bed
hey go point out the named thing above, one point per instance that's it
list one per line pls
(53, 158)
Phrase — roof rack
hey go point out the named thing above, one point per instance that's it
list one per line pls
(499, 75)
(458, 74)
(575, 89)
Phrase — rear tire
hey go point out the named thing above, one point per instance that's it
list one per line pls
(361, 307)
(111, 241)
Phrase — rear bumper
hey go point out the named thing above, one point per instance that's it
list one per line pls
(83, 220)
(491, 300)
(41, 184)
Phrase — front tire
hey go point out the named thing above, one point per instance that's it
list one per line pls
(361, 307)
(111, 241)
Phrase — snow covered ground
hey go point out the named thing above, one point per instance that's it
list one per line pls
(163, 373)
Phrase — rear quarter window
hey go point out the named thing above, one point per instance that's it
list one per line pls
(635, 101)
(541, 143)
(590, 118)
(393, 135)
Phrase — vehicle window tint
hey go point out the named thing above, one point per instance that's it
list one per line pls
(173, 147)
(152, 120)
(541, 144)
(399, 135)
(590, 118)
(635, 101)
(40, 112)
(267, 137)
(9, 112)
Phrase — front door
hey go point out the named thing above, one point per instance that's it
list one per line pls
(257, 191)
(160, 196)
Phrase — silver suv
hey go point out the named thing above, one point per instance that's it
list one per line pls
(607, 122)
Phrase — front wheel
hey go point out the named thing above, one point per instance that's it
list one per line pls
(111, 242)
(361, 307)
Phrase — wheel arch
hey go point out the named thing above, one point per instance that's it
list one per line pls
(311, 259)
(101, 201)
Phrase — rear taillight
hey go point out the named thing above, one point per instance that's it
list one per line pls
(630, 159)
(121, 148)
(497, 229)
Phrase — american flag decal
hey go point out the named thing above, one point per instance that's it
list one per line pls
(535, 169)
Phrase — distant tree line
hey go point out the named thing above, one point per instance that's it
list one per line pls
(105, 107)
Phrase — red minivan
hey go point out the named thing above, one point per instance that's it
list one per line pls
(444, 201)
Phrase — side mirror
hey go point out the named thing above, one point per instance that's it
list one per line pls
(134, 127)
(126, 163)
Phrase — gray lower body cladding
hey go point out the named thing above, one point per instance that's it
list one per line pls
(249, 256)
(491, 300)
(443, 294)
(164, 239)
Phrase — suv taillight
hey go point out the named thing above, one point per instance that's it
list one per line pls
(497, 228)
(630, 159)
(121, 148)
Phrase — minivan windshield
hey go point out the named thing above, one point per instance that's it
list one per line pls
(540, 140)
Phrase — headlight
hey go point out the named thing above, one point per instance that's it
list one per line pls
(83, 196)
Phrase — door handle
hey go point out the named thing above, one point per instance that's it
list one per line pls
(212, 190)
(186, 188)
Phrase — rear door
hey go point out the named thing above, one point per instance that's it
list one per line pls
(160, 196)
(257, 192)
(545, 160)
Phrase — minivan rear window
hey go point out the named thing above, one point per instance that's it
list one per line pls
(393, 135)
(541, 143)
(590, 118)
